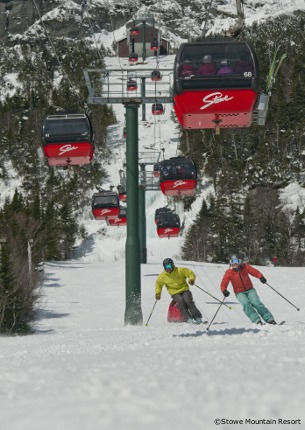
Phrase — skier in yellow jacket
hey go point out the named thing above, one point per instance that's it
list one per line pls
(174, 278)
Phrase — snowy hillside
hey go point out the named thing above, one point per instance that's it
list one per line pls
(155, 132)
(178, 20)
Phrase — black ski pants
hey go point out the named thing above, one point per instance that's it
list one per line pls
(186, 305)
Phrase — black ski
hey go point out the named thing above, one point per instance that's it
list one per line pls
(280, 323)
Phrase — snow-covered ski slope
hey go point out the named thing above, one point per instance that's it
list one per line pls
(83, 370)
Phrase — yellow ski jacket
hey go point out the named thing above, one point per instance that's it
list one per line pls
(175, 281)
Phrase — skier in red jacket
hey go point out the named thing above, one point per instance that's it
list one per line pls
(238, 275)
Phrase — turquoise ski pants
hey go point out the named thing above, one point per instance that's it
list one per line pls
(253, 307)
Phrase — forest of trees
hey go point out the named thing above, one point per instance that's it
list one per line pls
(44, 208)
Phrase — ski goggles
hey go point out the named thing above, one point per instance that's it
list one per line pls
(168, 266)
(235, 262)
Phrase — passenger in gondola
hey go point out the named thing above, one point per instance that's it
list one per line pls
(167, 171)
(207, 68)
(225, 68)
(187, 69)
(180, 170)
(114, 201)
(163, 221)
(244, 65)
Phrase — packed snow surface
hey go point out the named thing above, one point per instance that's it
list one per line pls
(84, 369)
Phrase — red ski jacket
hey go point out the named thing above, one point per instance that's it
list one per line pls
(207, 69)
(240, 280)
(187, 70)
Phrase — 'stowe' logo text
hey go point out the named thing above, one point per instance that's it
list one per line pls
(179, 183)
(66, 148)
(105, 211)
(214, 98)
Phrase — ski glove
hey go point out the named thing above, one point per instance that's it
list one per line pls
(158, 296)
(191, 282)
(263, 280)
(226, 293)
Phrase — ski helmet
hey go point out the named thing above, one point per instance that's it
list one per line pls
(236, 262)
(207, 59)
(168, 264)
(225, 63)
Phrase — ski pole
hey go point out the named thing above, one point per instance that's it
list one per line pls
(212, 296)
(151, 313)
(222, 303)
(283, 297)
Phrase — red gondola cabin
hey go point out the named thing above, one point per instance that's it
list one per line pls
(67, 139)
(168, 225)
(122, 193)
(120, 220)
(154, 46)
(178, 176)
(132, 85)
(133, 58)
(156, 170)
(155, 75)
(105, 205)
(216, 84)
(157, 109)
(134, 31)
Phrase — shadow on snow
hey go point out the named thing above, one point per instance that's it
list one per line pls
(227, 331)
